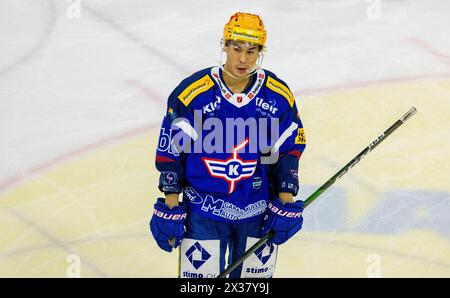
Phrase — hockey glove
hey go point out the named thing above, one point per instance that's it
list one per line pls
(285, 220)
(167, 225)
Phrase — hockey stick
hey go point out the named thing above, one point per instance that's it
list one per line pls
(324, 187)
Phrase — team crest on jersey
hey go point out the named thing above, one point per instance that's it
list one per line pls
(232, 169)
(194, 89)
(281, 89)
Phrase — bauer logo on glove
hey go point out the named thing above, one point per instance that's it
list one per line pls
(169, 215)
(167, 225)
(285, 213)
(285, 220)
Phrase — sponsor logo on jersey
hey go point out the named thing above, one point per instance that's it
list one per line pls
(300, 138)
(192, 195)
(281, 89)
(195, 89)
(232, 169)
(212, 106)
(266, 106)
(197, 255)
(219, 207)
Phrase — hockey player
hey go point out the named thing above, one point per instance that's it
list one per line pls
(236, 185)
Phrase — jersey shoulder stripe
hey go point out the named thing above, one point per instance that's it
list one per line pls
(281, 89)
(194, 89)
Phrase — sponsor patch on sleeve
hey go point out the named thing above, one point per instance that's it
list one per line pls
(281, 89)
(194, 89)
(300, 138)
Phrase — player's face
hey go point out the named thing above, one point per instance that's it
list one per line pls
(241, 58)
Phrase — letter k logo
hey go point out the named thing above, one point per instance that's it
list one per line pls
(232, 169)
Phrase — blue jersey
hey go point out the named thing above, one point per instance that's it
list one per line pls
(229, 153)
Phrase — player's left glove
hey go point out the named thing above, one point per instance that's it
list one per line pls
(285, 220)
(167, 225)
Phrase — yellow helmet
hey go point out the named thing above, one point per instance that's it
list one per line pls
(245, 27)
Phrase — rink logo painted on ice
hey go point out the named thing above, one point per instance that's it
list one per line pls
(194, 89)
(232, 169)
(197, 255)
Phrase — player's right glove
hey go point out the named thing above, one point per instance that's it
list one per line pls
(285, 220)
(167, 225)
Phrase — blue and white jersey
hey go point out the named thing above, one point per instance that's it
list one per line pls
(229, 153)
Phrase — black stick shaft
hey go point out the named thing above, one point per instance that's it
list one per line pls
(324, 187)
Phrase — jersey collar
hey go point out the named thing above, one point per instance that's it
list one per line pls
(239, 99)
